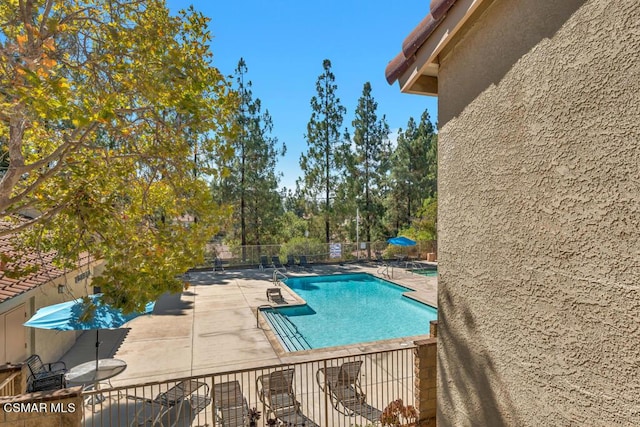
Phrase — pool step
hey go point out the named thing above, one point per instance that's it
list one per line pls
(286, 331)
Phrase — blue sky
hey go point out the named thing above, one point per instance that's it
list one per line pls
(284, 43)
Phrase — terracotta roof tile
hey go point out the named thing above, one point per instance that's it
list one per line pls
(44, 272)
(417, 37)
(396, 67)
(440, 8)
(401, 62)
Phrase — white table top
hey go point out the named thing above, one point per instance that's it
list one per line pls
(87, 373)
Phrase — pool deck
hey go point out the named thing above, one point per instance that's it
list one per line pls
(211, 327)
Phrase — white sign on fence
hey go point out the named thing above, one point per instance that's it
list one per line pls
(335, 250)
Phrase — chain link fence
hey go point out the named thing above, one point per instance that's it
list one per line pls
(339, 252)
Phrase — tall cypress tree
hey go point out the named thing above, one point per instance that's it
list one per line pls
(323, 163)
(368, 163)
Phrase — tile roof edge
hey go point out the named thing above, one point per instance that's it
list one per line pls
(419, 35)
(439, 8)
(412, 43)
(396, 67)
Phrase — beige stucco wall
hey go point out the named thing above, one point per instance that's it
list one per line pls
(51, 345)
(539, 217)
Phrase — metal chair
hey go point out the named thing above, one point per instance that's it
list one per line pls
(343, 385)
(45, 376)
(177, 406)
(230, 405)
(276, 393)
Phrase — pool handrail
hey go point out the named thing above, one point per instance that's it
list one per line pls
(260, 307)
(274, 277)
(383, 270)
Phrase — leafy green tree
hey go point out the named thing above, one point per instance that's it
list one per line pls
(294, 201)
(426, 222)
(413, 172)
(110, 113)
(291, 226)
(423, 228)
(323, 164)
(368, 163)
(250, 185)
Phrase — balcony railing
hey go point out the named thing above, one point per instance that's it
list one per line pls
(8, 386)
(342, 391)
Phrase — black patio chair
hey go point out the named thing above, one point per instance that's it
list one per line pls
(275, 262)
(291, 262)
(264, 262)
(45, 376)
(304, 264)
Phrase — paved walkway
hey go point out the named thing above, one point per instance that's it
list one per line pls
(211, 327)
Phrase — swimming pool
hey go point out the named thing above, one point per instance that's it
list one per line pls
(347, 309)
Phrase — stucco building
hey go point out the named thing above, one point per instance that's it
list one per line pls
(30, 280)
(539, 207)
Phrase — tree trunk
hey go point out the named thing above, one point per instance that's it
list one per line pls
(243, 225)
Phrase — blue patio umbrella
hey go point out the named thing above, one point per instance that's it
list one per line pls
(70, 316)
(401, 241)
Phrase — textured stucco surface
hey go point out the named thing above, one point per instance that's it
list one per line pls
(539, 217)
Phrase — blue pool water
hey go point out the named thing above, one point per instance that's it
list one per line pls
(351, 308)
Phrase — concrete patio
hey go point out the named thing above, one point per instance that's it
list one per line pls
(211, 327)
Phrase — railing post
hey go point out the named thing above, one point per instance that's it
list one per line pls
(426, 357)
(326, 393)
(433, 329)
(213, 399)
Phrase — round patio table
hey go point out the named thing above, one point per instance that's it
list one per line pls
(90, 373)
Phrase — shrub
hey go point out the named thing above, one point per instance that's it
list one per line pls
(396, 414)
(302, 246)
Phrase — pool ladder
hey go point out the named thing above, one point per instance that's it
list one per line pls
(275, 279)
(383, 270)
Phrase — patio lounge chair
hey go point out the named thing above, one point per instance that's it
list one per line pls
(177, 406)
(304, 264)
(264, 262)
(275, 262)
(291, 262)
(230, 406)
(275, 295)
(275, 391)
(343, 385)
(149, 412)
(45, 376)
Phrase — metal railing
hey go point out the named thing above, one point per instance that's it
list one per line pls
(317, 393)
(258, 313)
(277, 273)
(383, 270)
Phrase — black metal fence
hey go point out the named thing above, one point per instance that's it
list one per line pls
(341, 391)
